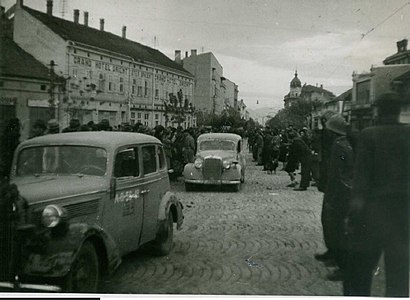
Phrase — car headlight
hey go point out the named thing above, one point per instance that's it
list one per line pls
(198, 163)
(226, 164)
(52, 216)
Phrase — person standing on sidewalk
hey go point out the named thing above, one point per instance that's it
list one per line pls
(326, 141)
(378, 218)
(337, 194)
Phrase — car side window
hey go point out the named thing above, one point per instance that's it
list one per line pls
(239, 147)
(126, 164)
(149, 159)
(161, 157)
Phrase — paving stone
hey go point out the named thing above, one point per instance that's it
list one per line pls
(259, 241)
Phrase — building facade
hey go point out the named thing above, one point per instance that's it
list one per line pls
(106, 76)
(306, 92)
(210, 85)
(29, 90)
(401, 57)
(368, 86)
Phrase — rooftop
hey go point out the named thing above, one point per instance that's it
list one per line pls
(16, 62)
(71, 31)
(307, 88)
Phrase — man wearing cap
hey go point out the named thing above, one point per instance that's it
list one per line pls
(378, 218)
(337, 194)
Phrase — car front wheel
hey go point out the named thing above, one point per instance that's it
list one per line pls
(84, 274)
(162, 245)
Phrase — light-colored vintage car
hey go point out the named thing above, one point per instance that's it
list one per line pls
(88, 199)
(219, 160)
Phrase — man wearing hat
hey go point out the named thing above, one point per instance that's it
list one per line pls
(378, 219)
(53, 126)
(39, 128)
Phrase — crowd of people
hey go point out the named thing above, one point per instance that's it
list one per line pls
(364, 178)
(179, 144)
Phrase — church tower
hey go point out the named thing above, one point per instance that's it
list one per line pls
(294, 92)
(295, 86)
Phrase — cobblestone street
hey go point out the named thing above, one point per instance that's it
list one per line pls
(260, 241)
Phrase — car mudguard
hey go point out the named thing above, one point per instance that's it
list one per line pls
(167, 201)
(60, 252)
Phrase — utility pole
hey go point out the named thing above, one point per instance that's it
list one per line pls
(51, 100)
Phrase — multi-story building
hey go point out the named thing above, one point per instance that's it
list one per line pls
(228, 88)
(306, 92)
(209, 92)
(107, 76)
(401, 57)
(28, 90)
(368, 86)
(242, 110)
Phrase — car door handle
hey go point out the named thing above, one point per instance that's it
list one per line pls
(144, 192)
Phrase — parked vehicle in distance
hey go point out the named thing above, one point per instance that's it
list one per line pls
(89, 198)
(219, 160)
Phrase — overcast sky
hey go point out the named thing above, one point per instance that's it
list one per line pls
(260, 43)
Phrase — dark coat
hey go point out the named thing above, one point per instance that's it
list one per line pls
(379, 210)
(338, 193)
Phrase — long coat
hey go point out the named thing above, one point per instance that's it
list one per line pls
(380, 200)
(338, 193)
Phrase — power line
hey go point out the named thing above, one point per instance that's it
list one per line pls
(391, 15)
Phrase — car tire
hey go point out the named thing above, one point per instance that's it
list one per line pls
(84, 274)
(162, 245)
(189, 186)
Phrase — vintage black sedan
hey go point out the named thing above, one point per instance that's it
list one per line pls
(219, 161)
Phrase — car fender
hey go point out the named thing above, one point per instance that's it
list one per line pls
(170, 200)
(61, 252)
(187, 168)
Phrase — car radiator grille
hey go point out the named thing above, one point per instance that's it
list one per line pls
(212, 168)
(6, 244)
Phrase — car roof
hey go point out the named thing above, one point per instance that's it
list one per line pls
(104, 139)
(219, 136)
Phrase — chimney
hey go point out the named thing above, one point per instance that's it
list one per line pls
(193, 52)
(186, 54)
(124, 32)
(321, 86)
(76, 16)
(102, 24)
(402, 46)
(86, 18)
(50, 7)
(178, 56)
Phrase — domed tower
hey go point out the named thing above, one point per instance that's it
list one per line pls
(295, 86)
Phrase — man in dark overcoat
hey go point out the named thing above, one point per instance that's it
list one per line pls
(378, 219)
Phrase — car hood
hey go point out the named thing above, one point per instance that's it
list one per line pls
(222, 154)
(43, 188)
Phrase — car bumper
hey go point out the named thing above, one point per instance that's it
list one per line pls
(26, 287)
(210, 181)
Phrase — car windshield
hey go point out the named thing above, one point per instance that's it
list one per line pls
(64, 160)
(217, 145)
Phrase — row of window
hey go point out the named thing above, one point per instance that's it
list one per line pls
(127, 162)
(102, 58)
(139, 90)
